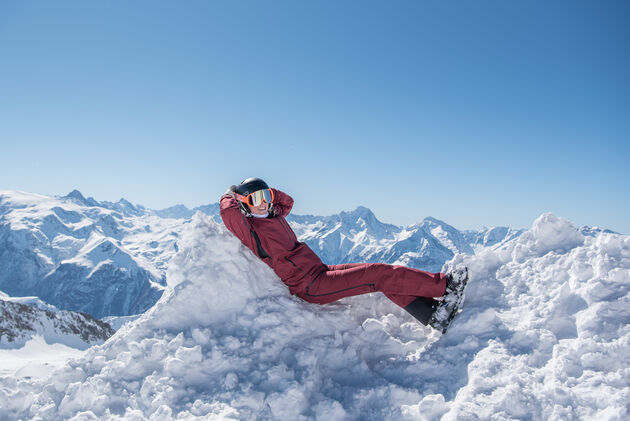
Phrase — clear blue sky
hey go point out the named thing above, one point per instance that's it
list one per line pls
(474, 112)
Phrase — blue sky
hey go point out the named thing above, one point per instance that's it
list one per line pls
(474, 112)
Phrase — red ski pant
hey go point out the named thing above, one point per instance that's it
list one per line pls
(400, 284)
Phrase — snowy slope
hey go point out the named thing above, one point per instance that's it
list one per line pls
(36, 338)
(544, 335)
(22, 319)
(37, 359)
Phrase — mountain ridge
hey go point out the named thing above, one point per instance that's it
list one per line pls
(23, 318)
(110, 259)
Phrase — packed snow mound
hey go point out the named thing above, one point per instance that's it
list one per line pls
(548, 233)
(547, 320)
(543, 335)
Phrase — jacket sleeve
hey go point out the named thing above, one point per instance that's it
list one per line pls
(232, 217)
(282, 203)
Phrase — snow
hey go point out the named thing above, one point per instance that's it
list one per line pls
(553, 310)
(357, 236)
(71, 252)
(116, 322)
(37, 359)
(544, 334)
(23, 318)
(31, 301)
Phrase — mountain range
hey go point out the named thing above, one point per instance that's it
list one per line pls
(111, 258)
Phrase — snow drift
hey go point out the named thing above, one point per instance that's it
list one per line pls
(544, 335)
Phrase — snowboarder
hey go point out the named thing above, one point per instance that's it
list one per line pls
(255, 214)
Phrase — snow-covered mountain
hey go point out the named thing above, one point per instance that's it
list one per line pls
(488, 237)
(543, 335)
(182, 212)
(345, 237)
(357, 236)
(23, 318)
(110, 259)
(102, 258)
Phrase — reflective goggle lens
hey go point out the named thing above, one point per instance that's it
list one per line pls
(257, 197)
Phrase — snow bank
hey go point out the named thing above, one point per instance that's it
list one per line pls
(548, 233)
(544, 335)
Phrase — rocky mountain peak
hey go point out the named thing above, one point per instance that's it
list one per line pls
(75, 194)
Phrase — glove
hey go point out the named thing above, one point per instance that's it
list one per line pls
(231, 190)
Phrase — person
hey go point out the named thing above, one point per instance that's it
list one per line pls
(255, 214)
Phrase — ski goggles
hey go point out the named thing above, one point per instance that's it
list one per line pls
(256, 198)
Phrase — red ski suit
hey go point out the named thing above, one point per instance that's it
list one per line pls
(304, 273)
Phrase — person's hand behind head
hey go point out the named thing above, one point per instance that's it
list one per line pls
(231, 190)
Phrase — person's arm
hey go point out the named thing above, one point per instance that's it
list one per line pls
(231, 214)
(282, 203)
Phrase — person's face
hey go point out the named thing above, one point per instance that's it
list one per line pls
(260, 210)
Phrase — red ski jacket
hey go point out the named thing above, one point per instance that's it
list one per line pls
(293, 261)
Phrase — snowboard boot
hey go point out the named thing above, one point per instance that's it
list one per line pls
(452, 300)
(422, 308)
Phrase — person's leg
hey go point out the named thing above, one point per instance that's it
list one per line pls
(401, 284)
(401, 300)
(344, 266)
(422, 308)
(398, 283)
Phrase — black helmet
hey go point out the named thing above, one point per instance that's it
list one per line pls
(251, 185)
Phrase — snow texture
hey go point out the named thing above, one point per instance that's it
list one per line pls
(544, 334)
